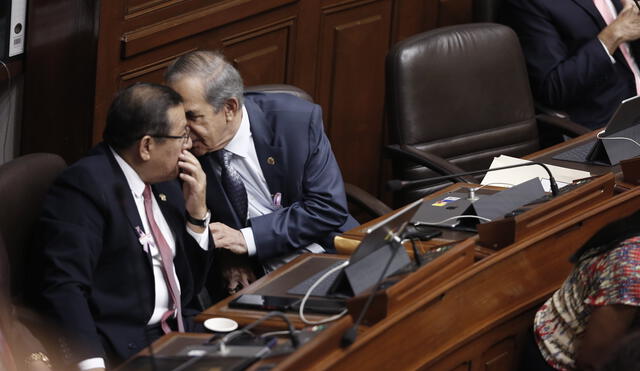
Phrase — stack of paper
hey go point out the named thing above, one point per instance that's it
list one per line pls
(511, 177)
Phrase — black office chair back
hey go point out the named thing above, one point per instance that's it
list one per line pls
(461, 93)
(280, 88)
(24, 182)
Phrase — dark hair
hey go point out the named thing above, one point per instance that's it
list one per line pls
(220, 80)
(609, 237)
(138, 110)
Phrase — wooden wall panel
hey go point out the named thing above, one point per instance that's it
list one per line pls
(354, 42)
(60, 69)
(333, 49)
(263, 55)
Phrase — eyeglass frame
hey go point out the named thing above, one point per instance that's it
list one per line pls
(184, 137)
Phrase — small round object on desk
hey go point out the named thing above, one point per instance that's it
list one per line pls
(220, 324)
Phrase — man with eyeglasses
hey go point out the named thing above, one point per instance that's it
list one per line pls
(122, 247)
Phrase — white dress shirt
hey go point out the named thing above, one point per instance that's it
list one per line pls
(162, 296)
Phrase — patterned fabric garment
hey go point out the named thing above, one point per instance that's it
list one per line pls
(232, 183)
(609, 278)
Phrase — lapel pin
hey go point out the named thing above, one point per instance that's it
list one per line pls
(162, 196)
(277, 200)
(271, 160)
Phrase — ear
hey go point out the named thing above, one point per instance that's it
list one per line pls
(231, 108)
(145, 146)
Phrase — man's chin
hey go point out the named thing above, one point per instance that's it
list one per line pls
(198, 151)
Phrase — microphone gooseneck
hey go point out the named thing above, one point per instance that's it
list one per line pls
(396, 185)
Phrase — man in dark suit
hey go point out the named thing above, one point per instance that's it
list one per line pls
(580, 53)
(119, 263)
(274, 187)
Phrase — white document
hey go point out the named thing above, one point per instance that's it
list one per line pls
(514, 176)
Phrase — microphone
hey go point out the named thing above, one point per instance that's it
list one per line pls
(396, 185)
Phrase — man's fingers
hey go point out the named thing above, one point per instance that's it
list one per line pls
(244, 280)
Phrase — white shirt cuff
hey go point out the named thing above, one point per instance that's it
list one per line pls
(202, 238)
(249, 240)
(613, 60)
(90, 363)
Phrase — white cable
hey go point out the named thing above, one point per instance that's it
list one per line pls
(607, 138)
(308, 293)
(455, 217)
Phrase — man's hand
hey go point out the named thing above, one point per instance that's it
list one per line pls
(238, 277)
(228, 238)
(626, 27)
(193, 187)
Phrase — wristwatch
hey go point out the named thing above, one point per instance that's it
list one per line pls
(198, 222)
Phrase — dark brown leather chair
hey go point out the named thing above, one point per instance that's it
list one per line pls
(356, 196)
(457, 97)
(24, 182)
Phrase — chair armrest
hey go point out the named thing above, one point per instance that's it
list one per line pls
(429, 160)
(365, 200)
(561, 124)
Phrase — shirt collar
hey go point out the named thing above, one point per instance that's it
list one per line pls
(133, 179)
(241, 142)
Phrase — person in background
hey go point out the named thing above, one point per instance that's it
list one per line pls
(122, 247)
(274, 187)
(625, 355)
(595, 306)
(581, 55)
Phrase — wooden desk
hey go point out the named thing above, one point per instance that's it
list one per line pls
(478, 317)
(276, 283)
(503, 232)
(463, 310)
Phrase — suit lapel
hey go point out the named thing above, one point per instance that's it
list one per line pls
(128, 205)
(590, 8)
(123, 192)
(270, 154)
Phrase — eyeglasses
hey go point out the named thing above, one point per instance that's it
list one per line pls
(185, 137)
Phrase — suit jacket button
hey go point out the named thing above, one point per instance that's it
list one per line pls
(271, 161)
(131, 346)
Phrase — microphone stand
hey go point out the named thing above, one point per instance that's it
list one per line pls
(396, 185)
(349, 336)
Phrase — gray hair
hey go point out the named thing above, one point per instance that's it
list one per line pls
(220, 80)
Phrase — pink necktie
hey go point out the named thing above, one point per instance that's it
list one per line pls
(607, 15)
(167, 265)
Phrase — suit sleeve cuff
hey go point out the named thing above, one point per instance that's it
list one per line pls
(202, 238)
(90, 363)
(613, 60)
(249, 240)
